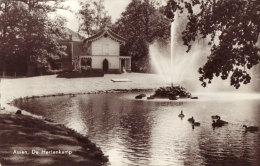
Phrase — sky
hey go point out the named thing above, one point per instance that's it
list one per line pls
(114, 8)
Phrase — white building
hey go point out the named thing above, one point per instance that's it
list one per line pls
(101, 52)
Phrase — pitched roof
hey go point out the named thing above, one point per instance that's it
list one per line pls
(70, 35)
(73, 35)
(106, 32)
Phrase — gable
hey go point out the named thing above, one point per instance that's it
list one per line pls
(105, 46)
(106, 32)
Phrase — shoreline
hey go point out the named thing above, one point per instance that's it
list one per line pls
(27, 140)
(8, 114)
(14, 90)
(93, 152)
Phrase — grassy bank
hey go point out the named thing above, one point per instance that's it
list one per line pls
(27, 133)
(30, 141)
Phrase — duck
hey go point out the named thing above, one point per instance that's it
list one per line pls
(181, 115)
(215, 124)
(219, 123)
(191, 120)
(215, 116)
(195, 123)
(250, 128)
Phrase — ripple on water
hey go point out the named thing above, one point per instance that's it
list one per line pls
(151, 133)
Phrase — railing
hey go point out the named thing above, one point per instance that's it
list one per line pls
(124, 57)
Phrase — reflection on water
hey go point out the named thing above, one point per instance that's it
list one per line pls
(140, 132)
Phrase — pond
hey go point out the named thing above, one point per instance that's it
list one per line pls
(150, 133)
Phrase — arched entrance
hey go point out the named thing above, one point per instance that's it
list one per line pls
(105, 66)
(122, 65)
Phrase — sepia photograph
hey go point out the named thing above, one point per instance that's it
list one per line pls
(129, 82)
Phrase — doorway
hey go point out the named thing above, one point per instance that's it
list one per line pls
(105, 66)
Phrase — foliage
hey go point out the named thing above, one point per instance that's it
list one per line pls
(233, 29)
(94, 16)
(141, 24)
(80, 74)
(27, 31)
(172, 91)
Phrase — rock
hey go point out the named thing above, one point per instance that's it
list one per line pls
(143, 95)
(98, 154)
(173, 98)
(18, 112)
(138, 97)
(150, 98)
(49, 120)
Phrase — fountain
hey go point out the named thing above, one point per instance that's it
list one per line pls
(181, 68)
(173, 69)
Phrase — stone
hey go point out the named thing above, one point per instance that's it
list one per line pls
(18, 112)
(150, 98)
(138, 97)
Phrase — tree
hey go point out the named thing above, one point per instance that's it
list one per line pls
(233, 27)
(141, 24)
(94, 16)
(27, 31)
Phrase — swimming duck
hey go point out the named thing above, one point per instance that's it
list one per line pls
(181, 115)
(195, 123)
(219, 123)
(191, 120)
(250, 128)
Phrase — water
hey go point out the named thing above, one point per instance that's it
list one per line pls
(149, 133)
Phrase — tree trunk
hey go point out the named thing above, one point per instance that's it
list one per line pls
(30, 68)
(4, 66)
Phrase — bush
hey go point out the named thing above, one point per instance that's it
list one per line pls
(80, 75)
(172, 92)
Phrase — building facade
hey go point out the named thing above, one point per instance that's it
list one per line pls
(98, 53)
(101, 53)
